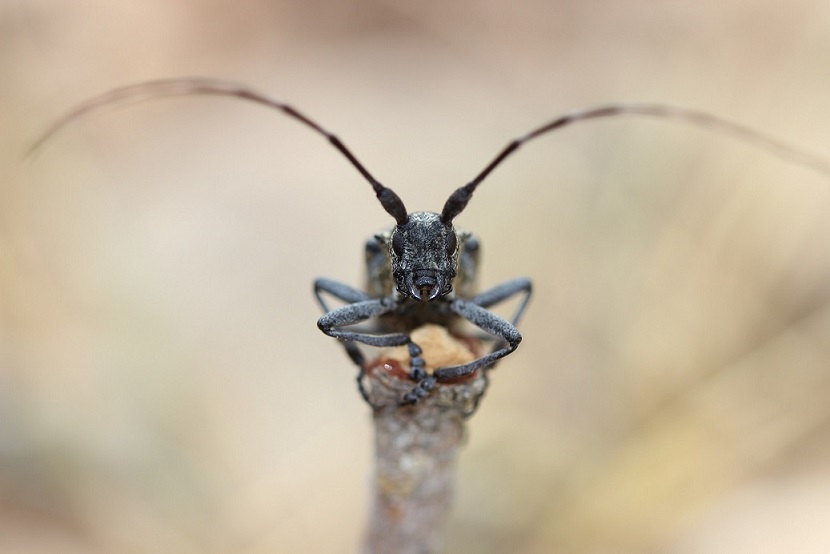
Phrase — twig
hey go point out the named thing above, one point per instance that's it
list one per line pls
(416, 446)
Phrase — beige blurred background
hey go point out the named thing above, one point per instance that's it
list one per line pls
(163, 385)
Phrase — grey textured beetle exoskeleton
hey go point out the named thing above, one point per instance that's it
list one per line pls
(421, 271)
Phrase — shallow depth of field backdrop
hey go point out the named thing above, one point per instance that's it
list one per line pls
(163, 385)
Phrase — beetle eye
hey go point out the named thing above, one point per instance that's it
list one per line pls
(397, 243)
(452, 243)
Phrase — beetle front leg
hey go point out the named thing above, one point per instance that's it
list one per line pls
(490, 322)
(331, 324)
(502, 292)
(356, 312)
(417, 373)
(474, 310)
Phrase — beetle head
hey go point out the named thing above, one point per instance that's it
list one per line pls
(424, 254)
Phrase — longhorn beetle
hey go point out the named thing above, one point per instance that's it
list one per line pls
(421, 270)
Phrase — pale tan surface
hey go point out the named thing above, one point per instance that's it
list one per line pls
(164, 388)
(439, 349)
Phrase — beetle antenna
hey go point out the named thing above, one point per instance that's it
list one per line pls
(458, 200)
(390, 201)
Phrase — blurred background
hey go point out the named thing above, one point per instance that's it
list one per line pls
(163, 385)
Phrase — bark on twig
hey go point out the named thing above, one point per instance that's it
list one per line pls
(416, 446)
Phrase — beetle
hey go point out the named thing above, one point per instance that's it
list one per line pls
(422, 269)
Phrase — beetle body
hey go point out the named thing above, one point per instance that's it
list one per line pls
(421, 271)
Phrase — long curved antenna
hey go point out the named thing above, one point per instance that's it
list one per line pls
(458, 200)
(390, 201)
